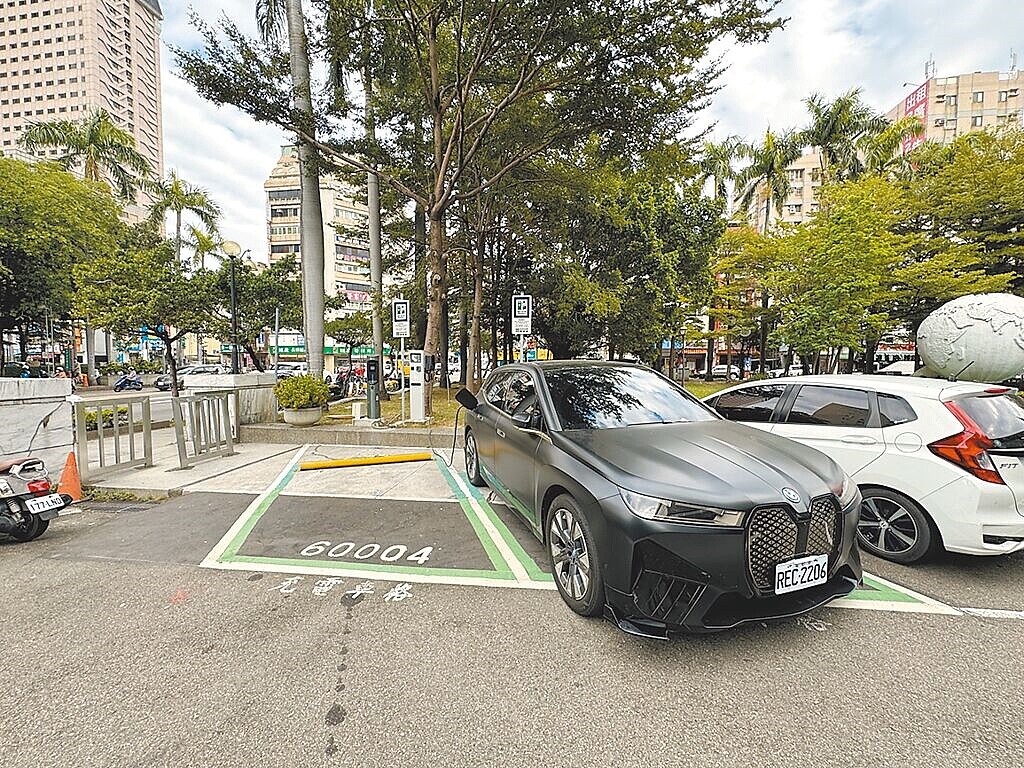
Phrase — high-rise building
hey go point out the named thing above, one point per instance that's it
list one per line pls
(63, 59)
(953, 106)
(346, 250)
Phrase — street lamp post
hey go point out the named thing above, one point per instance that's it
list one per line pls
(233, 251)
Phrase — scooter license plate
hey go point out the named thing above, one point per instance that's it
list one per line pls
(45, 503)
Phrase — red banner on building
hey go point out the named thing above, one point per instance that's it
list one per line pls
(916, 104)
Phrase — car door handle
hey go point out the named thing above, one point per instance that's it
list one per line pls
(500, 433)
(859, 440)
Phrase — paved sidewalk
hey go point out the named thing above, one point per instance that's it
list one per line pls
(255, 465)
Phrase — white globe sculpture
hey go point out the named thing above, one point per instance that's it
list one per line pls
(975, 338)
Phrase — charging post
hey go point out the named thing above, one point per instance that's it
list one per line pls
(400, 331)
(416, 381)
(372, 394)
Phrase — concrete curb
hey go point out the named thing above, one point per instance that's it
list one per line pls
(439, 438)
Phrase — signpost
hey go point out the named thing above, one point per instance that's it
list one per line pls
(400, 330)
(522, 320)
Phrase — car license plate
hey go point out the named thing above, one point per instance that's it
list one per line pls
(801, 573)
(53, 501)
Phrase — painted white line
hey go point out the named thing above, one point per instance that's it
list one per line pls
(892, 606)
(215, 554)
(994, 613)
(321, 494)
(361, 573)
(506, 553)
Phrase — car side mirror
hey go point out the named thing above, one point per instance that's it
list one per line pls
(466, 399)
(532, 421)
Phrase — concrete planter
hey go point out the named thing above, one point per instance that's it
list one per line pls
(303, 417)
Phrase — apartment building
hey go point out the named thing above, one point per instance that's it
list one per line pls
(801, 203)
(63, 59)
(948, 107)
(953, 106)
(347, 255)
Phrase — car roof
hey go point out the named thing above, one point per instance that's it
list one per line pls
(908, 386)
(549, 365)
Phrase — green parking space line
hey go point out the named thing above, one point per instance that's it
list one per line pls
(874, 590)
(290, 562)
(492, 550)
(528, 563)
(513, 543)
(245, 530)
(501, 571)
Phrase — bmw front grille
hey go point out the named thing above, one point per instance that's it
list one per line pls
(778, 533)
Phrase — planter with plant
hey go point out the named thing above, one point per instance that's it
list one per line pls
(303, 399)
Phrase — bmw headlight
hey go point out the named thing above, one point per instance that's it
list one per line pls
(846, 491)
(679, 512)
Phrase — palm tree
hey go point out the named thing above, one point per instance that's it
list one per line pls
(203, 243)
(176, 194)
(97, 145)
(883, 151)
(836, 128)
(717, 163)
(768, 174)
(272, 17)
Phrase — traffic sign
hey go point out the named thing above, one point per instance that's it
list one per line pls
(522, 314)
(400, 318)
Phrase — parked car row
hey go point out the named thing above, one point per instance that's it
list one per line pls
(163, 383)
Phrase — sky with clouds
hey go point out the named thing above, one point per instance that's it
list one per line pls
(827, 46)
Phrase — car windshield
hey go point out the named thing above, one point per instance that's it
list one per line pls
(605, 397)
(1001, 418)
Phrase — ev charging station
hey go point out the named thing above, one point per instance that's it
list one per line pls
(417, 390)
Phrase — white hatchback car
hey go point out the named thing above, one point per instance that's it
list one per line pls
(940, 464)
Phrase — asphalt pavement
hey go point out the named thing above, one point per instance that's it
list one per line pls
(124, 651)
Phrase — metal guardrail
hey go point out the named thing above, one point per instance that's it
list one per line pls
(118, 444)
(203, 425)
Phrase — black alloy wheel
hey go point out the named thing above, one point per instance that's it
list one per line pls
(574, 559)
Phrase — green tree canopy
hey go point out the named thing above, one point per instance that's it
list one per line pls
(972, 191)
(141, 284)
(49, 221)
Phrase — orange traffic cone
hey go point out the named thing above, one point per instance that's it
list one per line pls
(70, 481)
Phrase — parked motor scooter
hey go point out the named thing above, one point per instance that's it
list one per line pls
(27, 500)
(127, 381)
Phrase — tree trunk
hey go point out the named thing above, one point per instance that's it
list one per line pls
(311, 214)
(108, 343)
(464, 300)
(711, 350)
(870, 346)
(90, 351)
(435, 293)
(252, 354)
(23, 342)
(172, 365)
(473, 375)
(763, 329)
(177, 237)
(420, 275)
